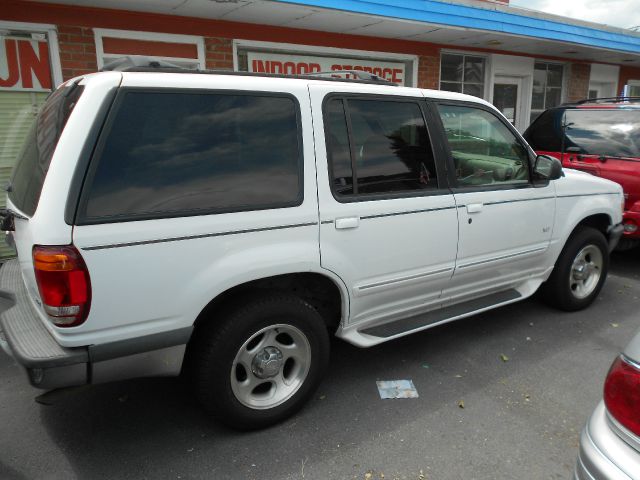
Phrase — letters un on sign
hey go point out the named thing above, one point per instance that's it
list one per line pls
(24, 64)
(287, 64)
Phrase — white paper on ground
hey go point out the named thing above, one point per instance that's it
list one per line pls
(397, 389)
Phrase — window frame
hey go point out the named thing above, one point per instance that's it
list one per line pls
(101, 56)
(81, 217)
(632, 83)
(443, 187)
(487, 73)
(563, 87)
(455, 186)
(51, 33)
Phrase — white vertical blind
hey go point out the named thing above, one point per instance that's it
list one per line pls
(17, 112)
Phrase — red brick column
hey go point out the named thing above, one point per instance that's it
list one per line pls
(77, 51)
(429, 71)
(578, 84)
(218, 53)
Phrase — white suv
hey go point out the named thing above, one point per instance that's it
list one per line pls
(227, 224)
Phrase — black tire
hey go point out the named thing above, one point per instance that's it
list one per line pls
(558, 290)
(217, 345)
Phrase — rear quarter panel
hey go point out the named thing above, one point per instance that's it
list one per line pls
(47, 226)
(157, 275)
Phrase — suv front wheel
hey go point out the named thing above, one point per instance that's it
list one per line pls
(580, 271)
(262, 362)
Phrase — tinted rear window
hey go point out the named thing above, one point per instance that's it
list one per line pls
(613, 133)
(35, 157)
(178, 153)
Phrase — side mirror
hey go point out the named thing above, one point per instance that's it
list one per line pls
(546, 169)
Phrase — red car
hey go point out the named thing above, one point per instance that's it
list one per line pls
(602, 137)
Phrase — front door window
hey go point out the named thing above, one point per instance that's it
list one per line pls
(485, 152)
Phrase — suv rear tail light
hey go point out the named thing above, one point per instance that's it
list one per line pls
(64, 284)
(622, 394)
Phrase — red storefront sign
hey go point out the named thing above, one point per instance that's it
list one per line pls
(289, 64)
(24, 64)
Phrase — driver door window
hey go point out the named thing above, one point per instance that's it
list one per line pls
(485, 152)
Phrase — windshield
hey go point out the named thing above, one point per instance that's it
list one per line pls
(614, 133)
(35, 156)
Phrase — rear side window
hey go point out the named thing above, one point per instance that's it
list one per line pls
(613, 133)
(35, 157)
(378, 147)
(179, 153)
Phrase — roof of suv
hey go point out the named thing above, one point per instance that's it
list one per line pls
(604, 103)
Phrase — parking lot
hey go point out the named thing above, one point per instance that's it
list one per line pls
(527, 377)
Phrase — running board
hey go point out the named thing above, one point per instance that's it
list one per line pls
(397, 327)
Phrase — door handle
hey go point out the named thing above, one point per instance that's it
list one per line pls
(349, 222)
(474, 207)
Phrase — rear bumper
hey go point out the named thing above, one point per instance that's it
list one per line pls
(49, 365)
(603, 454)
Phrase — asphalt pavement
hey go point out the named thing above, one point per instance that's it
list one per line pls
(503, 395)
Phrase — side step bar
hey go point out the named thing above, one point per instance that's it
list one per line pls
(397, 327)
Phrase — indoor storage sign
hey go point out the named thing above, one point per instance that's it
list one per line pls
(293, 64)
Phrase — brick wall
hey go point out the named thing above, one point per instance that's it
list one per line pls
(78, 56)
(77, 51)
(429, 72)
(578, 82)
(219, 53)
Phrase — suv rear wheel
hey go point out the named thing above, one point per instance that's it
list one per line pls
(580, 271)
(262, 362)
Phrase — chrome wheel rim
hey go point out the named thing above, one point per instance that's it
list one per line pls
(586, 271)
(270, 367)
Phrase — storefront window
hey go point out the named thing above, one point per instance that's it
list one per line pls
(462, 74)
(634, 88)
(547, 87)
(26, 80)
(184, 51)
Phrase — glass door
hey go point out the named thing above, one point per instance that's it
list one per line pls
(507, 99)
